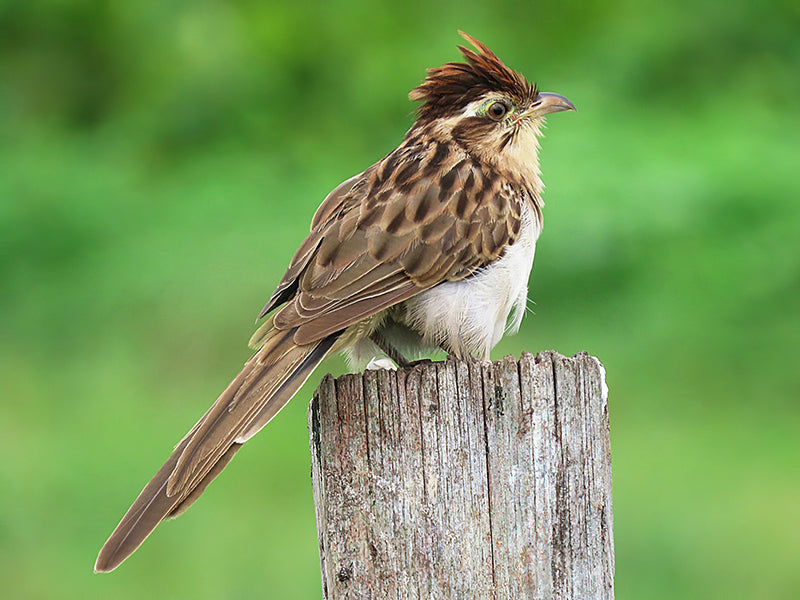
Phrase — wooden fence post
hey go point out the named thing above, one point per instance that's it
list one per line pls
(464, 479)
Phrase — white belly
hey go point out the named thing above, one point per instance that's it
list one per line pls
(470, 316)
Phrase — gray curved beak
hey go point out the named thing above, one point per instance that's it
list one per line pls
(547, 103)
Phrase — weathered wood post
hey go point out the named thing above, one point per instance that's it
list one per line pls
(465, 480)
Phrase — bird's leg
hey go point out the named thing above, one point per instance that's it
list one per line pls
(390, 350)
(451, 353)
(468, 357)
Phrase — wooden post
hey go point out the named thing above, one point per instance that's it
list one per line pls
(465, 480)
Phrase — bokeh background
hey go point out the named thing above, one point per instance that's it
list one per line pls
(160, 162)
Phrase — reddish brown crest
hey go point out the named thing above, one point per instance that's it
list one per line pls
(447, 89)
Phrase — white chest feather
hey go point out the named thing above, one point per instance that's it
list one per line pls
(470, 316)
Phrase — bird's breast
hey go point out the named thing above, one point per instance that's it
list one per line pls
(471, 315)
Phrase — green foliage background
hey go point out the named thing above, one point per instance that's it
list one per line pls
(160, 161)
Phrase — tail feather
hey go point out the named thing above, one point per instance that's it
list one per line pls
(263, 387)
(201, 487)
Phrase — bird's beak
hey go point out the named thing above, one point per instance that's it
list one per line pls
(549, 103)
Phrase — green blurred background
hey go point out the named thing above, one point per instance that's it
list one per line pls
(160, 161)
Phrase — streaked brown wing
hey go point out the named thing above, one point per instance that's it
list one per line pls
(421, 216)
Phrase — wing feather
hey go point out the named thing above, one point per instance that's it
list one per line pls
(394, 231)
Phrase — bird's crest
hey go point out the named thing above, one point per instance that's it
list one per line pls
(447, 89)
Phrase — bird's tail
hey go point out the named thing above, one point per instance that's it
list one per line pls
(263, 387)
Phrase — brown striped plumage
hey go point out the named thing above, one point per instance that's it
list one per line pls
(430, 247)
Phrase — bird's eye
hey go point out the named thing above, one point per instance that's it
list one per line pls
(497, 110)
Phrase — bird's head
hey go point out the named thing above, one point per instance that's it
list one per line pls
(491, 111)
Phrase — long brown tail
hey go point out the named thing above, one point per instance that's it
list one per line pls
(263, 387)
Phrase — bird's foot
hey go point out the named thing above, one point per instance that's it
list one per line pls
(416, 363)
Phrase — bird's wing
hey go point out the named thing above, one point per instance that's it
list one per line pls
(419, 217)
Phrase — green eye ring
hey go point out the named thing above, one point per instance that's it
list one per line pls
(496, 110)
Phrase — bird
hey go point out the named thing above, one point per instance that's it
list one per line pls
(429, 248)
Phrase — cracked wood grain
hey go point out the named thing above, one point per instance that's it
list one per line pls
(465, 479)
